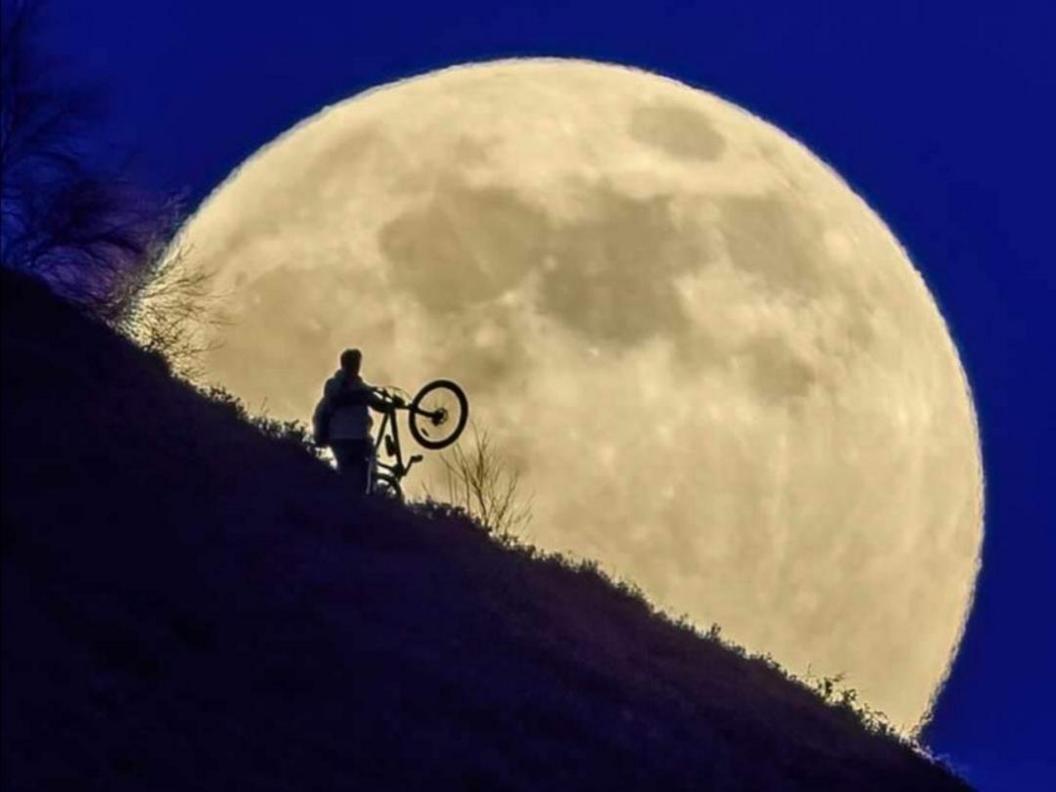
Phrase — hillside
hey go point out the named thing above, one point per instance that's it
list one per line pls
(188, 604)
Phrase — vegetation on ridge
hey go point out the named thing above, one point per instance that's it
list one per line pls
(482, 492)
(189, 604)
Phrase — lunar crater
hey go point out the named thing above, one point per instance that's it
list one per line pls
(779, 241)
(609, 273)
(468, 245)
(677, 131)
(614, 279)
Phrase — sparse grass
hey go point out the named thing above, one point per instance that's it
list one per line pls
(482, 468)
(312, 639)
(291, 432)
(831, 690)
(473, 473)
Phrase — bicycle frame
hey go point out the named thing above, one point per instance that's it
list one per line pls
(389, 434)
(386, 476)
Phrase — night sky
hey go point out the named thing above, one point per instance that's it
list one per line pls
(939, 114)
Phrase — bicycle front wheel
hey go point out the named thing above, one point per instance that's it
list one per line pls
(438, 414)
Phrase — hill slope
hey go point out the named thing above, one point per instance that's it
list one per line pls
(188, 604)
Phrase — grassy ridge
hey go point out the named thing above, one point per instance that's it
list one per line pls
(191, 604)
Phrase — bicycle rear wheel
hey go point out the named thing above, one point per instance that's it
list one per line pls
(438, 414)
(387, 487)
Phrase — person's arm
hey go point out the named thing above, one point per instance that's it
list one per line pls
(376, 400)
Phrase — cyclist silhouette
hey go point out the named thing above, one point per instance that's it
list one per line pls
(342, 420)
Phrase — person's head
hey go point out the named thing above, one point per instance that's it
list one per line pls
(351, 360)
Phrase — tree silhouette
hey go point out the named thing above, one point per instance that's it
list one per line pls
(167, 308)
(65, 216)
(483, 483)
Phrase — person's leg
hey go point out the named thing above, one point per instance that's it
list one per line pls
(366, 459)
(354, 459)
(359, 470)
(341, 455)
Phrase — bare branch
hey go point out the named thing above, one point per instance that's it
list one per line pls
(66, 216)
(483, 483)
(167, 308)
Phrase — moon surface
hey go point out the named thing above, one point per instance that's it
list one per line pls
(717, 370)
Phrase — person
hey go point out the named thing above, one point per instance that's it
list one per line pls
(342, 420)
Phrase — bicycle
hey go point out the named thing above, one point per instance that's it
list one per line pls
(437, 415)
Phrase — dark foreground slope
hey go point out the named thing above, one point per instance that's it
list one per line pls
(189, 605)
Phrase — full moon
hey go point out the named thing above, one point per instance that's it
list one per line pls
(716, 369)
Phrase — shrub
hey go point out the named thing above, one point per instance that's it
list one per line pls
(484, 484)
(293, 433)
(166, 308)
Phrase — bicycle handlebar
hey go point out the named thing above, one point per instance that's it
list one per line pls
(391, 398)
(404, 404)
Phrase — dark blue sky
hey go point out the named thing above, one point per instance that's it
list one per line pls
(940, 114)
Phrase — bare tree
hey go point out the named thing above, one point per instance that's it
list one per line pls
(70, 218)
(484, 483)
(167, 308)
(65, 216)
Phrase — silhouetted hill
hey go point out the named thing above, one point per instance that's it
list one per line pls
(188, 604)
